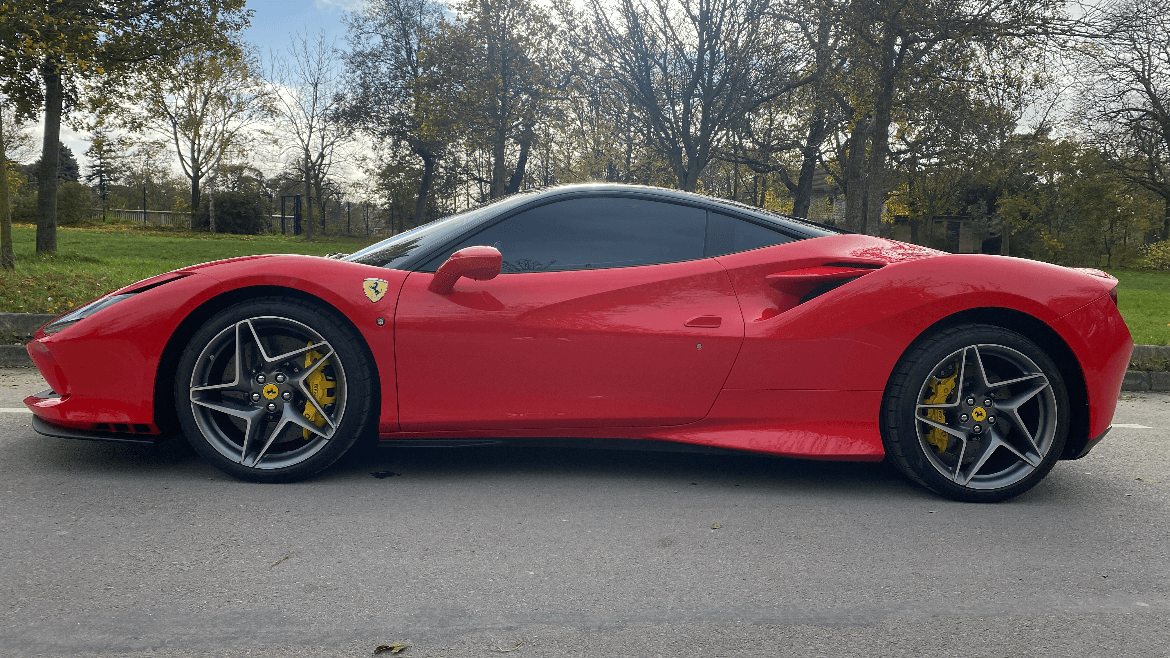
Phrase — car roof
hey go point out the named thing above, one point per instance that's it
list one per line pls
(670, 194)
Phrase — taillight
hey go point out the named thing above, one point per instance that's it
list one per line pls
(1113, 295)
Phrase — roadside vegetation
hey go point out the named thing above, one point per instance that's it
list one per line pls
(92, 261)
(1144, 300)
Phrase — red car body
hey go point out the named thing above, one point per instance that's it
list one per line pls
(717, 351)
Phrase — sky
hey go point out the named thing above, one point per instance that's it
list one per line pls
(273, 21)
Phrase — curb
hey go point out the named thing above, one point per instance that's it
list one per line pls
(14, 356)
(22, 324)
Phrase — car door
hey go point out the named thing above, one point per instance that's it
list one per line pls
(606, 313)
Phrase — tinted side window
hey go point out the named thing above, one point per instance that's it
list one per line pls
(592, 233)
(728, 235)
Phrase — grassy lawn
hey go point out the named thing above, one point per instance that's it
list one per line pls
(93, 261)
(1144, 300)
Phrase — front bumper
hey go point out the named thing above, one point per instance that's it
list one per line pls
(48, 429)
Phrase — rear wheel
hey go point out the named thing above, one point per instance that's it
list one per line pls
(976, 413)
(273, 390)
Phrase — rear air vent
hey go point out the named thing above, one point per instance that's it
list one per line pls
(857, 266)
(826, 287)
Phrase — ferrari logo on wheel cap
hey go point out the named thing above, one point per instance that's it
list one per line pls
(979, 414)
(375, 288)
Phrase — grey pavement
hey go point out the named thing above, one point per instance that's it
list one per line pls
(119, 550)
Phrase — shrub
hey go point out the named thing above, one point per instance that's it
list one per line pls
(1157, 255)
(235, 212)
(74, 205)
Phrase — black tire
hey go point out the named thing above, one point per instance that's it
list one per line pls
(976, 413)
(263, 422)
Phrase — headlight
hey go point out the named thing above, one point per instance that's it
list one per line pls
(84, 312)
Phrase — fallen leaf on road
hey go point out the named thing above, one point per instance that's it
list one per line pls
(279, 561)
(715, 526)
(1150, 480)
(519, 643)
(397, 647)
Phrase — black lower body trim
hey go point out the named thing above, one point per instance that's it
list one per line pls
(1089, 445)
(49, 429)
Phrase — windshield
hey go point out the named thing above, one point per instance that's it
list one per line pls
(397, 250)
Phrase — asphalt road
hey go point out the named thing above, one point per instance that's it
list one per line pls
(114, 550)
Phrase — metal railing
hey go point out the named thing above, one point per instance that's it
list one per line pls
(150, 217)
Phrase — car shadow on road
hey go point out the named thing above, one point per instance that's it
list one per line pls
(538, 465)
(663, 465)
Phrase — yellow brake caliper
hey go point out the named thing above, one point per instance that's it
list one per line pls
(940, 391)
(323, 390)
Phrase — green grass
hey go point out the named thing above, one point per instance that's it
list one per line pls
(93, 261)
(1144, 300)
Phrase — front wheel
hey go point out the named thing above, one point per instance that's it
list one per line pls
(976, 413)
(273, 390)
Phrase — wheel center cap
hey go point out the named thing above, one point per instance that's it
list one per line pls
(271, 391)
(978, 414)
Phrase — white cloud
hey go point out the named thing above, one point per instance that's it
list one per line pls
(345, 5)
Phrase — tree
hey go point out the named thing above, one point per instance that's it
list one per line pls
(67, 167)
(408, 83)
(509, 45)
(51, 48)
(7, 256)
(892, 42)
(205, 107)
(692, 69)
(310, 102)
(785, 134)
(1126, 96)
(105, 158)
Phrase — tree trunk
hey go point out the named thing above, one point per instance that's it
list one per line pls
(1166, 219)
(308, 199)
(878, 151)
(499, 166)
(7, 256)
(424, 187)
(802, 199)
(854, 176)
(521, 162)
(1007, 231)
(210, 210)
(50, 160)
(195, 176)
(689, 178)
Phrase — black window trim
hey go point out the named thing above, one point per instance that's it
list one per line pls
(415, 264)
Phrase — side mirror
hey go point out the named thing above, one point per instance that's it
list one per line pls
(479, 263)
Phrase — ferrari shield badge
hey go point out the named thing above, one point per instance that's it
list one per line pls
(375, 288)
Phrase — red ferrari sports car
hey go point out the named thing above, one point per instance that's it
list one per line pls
(606, 311)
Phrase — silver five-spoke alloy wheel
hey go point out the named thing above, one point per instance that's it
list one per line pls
(995, 423)
(975, 412)
(285, 397)
(265, 390)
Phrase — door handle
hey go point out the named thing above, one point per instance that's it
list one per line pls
(704, 321)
